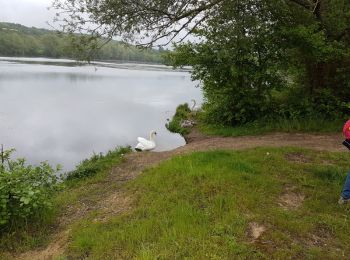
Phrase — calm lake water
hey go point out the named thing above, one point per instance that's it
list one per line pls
(57, 111)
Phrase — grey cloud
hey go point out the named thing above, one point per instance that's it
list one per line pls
(27, 12)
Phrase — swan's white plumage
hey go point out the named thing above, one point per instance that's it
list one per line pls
(146, 145)
(142, 140)
(139, 147)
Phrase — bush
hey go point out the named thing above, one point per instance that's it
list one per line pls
(246, 59)
(97, 163)
(296, 105)
(182, 113)
(25, 190)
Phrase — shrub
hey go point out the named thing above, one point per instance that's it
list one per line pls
(97, 163)
(296, 105)
(182, 113)
(25, 190)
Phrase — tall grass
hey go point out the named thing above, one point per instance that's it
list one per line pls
(278, 125)
(97, 163)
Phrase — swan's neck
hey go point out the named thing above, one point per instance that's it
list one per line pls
(194, 104)
(151, 137)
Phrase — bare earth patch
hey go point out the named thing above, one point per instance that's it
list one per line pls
(290, 199)
(298, 157)
(321, 235)
(114, 205)
(198, 142)
(256, 230)
(55, 249)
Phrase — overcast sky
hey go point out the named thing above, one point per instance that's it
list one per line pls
(26, 12)
(34, 13)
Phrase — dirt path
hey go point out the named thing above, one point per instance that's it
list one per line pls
(113, 201)
(329, 142)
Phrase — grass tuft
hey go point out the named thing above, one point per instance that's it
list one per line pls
(97, 163)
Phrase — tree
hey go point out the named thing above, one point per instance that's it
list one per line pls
(245, 47)
(18, 40)
(318, 32)
(237, 62)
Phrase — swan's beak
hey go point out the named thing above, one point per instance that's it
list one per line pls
(155, 133)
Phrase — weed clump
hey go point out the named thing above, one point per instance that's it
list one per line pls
(97, 163)
(182, 113)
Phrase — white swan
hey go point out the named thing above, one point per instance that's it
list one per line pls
(146, 145)
(195, 108)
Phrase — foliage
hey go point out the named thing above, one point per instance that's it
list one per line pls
(246, 54)
(295, 104)
(236, 63)
(182, 113)
(25, 190)
(201, 206)
(97, 163)
(18, 40)
(309, 125)
(250, 57)
(35, 232)
(140, 21)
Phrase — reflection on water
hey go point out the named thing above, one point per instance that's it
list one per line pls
(64, 113)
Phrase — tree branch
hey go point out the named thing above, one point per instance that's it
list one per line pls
(303, 3)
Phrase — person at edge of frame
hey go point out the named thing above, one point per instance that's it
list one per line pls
(345, 195)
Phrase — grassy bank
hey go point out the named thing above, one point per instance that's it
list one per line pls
(86, 182)
(204, 206)
(281, 125)
(89, 182)
(310, 125)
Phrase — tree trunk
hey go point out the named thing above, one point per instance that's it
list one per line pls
(321, 75)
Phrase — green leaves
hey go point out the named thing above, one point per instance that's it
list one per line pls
(25, 190)
(183, 112)
(254, 52)
(236, 62)
(18, 40)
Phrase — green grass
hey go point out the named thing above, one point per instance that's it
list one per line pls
(88, 183)
(89, 180)
(282, 125)
(199, 206)
(97, 163)
(90, 188)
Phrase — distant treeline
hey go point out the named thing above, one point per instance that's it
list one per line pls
(20, 41)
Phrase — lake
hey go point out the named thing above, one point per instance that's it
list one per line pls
(62, 112)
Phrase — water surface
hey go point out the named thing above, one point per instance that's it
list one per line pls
(57, 111)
